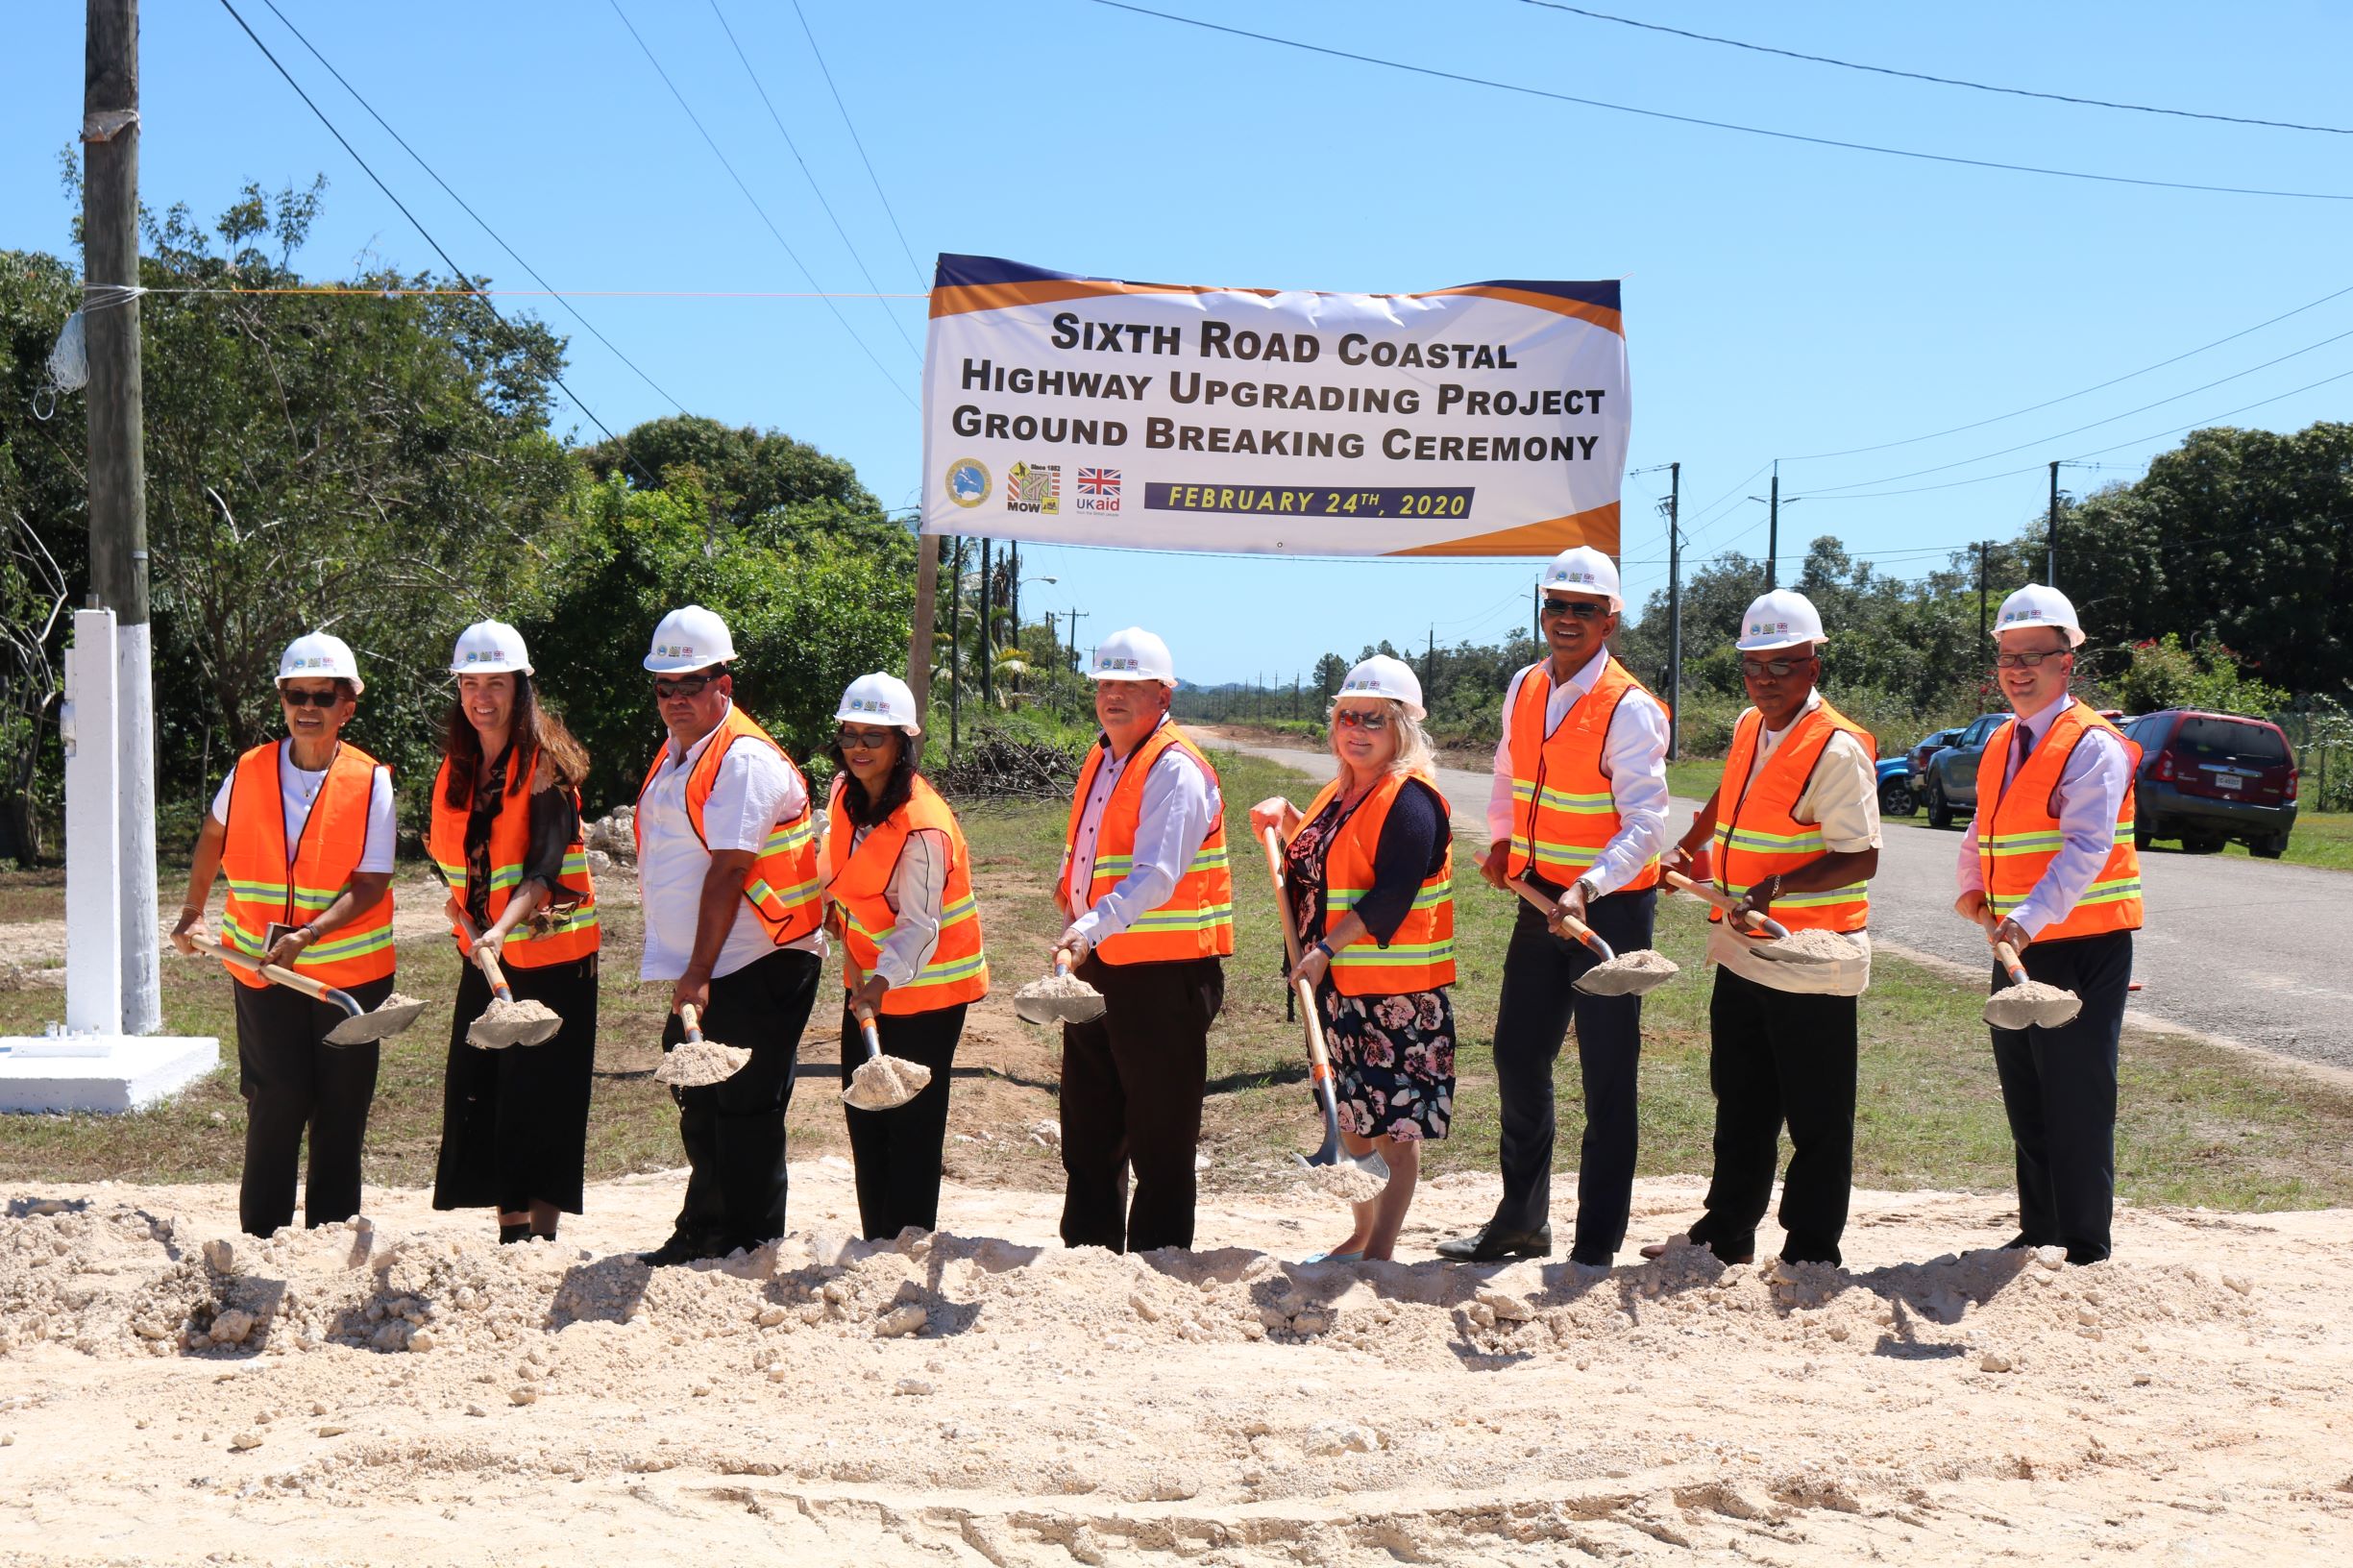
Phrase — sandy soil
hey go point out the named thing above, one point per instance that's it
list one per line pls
(406, 1391)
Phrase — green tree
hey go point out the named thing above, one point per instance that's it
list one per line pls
(741, 473)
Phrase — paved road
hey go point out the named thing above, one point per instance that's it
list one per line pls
(2242, 950)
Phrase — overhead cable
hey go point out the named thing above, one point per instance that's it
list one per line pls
(851, 126)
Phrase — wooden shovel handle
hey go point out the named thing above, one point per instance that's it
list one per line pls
(692, 1025)
(491, 972)
(1319, 1059)
(1551, 910)
(1274, 874)
(858, 1009)
(2008, 955)
(317, 990)
(1709, 893)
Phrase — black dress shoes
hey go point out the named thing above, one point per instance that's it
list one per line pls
(1491, 1244)
(680, 1248)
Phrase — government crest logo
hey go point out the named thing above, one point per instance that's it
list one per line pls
(1098, 490)
(967, 481)
(1034, 487)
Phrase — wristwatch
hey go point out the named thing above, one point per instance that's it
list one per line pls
(1593, 889)
(1322, 946)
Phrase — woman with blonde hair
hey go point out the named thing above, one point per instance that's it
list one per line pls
(1368, 876)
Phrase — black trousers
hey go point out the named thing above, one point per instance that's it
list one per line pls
(514, 1123)
(293, 1082)
(2059, 1089)
(1776, 1056)
(1540, 973)
(1132, 1083)
(896, 1152)
(734, 1130)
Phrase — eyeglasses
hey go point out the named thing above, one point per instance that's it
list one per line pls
(1759, 668)
(863, 739)
(1360, 718)
(683, 686)
(294, 699)
(2025, 661)
(1575, 609)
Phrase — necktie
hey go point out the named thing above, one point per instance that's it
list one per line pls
(2025, 748)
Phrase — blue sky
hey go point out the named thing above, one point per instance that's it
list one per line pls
(1781, 299)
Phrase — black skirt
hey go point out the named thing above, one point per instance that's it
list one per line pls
(514, 1123)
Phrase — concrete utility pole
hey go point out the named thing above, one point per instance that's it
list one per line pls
(1773, 531)
(1076, 662)
(117, 466)
(987, 680)
(2050, 561)
(1983, 545)
(1675, 613)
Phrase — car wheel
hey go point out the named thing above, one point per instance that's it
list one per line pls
(2270, 849)
(1939, 810)
(2143, 835)
(2202, 844)
(1896, 798)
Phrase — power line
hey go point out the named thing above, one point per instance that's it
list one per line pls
(466, 207)
(1940, 81)
(779, 234)
(456, 270)
(779, 121)
(1725, 125)
(2115, 381)
(852, 128)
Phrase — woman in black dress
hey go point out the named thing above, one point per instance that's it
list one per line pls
(505, 837)
(1368, 877)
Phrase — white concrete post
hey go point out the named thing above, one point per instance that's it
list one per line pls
(93, 830)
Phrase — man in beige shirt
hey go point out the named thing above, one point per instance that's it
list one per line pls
(1793, 832)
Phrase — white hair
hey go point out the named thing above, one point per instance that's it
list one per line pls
(1413, 753)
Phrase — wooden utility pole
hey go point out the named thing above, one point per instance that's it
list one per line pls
(1772, 532)
(2050, 560)
(1675, 612)
(1983, 546)
(987, 680)
(918, 640)
(117, 464)
(955, 641)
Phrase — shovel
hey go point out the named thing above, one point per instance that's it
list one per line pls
(359, 1026)
(2024, 1002)
(880, 1083)
(698, 1062)
(1353, 1175)
(1773, 930)
(1058, 998)
(1630, 975)
(505, 1021)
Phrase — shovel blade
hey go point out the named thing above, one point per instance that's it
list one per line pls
(1048, 1010)
(885, 1083)
(382, 1023)
(1613, 980)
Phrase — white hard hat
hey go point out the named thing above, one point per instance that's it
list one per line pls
(1783, 618)
(880, 699)
(1584, 569)
(320, 655)
(692, 638)
(1381, 675)
(490, 648)
(1133, 654)
(2035, 605)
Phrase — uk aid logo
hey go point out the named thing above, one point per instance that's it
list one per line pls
(1098, 490)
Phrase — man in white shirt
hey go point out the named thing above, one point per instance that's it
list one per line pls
(1795, 832)
(727, 859)
(1578, 812)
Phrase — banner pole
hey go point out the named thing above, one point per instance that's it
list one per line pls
(918, 636)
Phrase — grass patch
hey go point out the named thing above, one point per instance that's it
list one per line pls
(2323, 839)
(2198, 1124)
(1695, 778)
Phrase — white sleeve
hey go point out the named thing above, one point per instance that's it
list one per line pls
(1634, 754)
(384, 830)
(220, 801)
(753, 791)
(1498, 793)
(1173, 820)
(916, 885)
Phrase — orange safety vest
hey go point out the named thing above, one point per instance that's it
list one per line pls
(2017, 834)
(267, 884)
(1562, 812)
(1421, 954)
(1763, 835)
(571, 933)
(859, 881)
(1197, 919)
(784, 888)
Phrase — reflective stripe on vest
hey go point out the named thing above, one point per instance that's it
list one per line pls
(267, 886)
(858, 880)
(1562, 812)
(552, 937)
(2018, 837)
(1762, 836)
(1420, 955)
(784, 888)
(1197, 919)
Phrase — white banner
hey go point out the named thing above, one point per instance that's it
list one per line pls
(1485, 420)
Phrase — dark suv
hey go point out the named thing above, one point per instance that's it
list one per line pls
(2206, 778)
(1948, 784)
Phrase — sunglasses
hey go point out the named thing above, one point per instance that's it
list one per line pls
(293, 699)
(1759, 668)
(863, 739)
(1359, 718)
(683, 686)
(1574, 609)
(2025, 661)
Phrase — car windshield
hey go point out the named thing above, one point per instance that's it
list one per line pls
(2230, 740)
